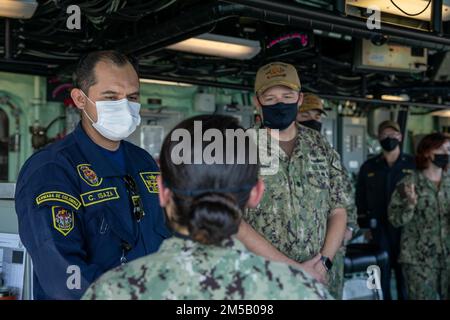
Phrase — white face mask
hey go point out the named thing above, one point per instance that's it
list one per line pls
(116, 120)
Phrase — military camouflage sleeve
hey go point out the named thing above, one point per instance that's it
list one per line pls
(96, 292)
(352, 216)
(108, 287)
(316, 290)
(89, 294)
(339, 197)
(400, 212)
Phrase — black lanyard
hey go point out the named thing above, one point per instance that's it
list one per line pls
(136, 201)
(137, 210)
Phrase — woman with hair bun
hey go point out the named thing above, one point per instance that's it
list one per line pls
(421, 206)
(203, 205)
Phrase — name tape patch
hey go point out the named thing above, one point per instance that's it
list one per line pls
(97, 196)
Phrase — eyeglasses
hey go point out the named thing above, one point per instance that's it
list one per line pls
(138, 208)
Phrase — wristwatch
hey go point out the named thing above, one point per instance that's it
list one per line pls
(326, 262)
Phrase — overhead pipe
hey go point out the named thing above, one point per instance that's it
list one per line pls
(384, 102)
(177, 30)
(436, 16)
(197, 21)
(26, 67)
(198, 82)
(441, 88)
(203, 19)
(236, 86)
(331, 22)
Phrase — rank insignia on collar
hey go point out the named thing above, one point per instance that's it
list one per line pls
(88, 175)
(63, 220)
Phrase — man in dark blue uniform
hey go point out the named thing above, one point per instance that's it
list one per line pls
(89, 203)
(376, 182)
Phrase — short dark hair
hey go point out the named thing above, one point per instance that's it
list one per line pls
(214, 213)
(429, 143)
(85, 72)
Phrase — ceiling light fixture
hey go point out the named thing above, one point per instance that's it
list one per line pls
(388, 97)
(18, 9)
(441, 113)
(220, 46)
(166, 83)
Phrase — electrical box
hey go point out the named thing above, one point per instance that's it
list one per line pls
(205, 102)
(442, 70)
(390, 57)
(16, 269)
(352, 142)
(13, 268)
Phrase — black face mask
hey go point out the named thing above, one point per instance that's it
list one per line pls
(280, 115)
(313, 124)
(388, 144)
(441, 160)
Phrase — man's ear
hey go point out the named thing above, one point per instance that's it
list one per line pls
(78, 98)
(401, 137)
(257, 104)
(164, 193)
(256, 194)
(300, 99)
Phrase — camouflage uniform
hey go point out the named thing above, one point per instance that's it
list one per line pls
(336, 276)
(184, 269)
(425, 241)
(297, 201)
(336, 281)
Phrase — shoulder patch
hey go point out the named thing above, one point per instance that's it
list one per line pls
(63, 220)
(88, 175)
(58, 196)
(149, 179)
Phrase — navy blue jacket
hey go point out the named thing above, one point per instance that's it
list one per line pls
(376, 183)
(75, 213)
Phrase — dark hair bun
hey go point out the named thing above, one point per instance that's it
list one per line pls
(214, 218)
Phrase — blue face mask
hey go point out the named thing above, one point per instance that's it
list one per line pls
(280, 115)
